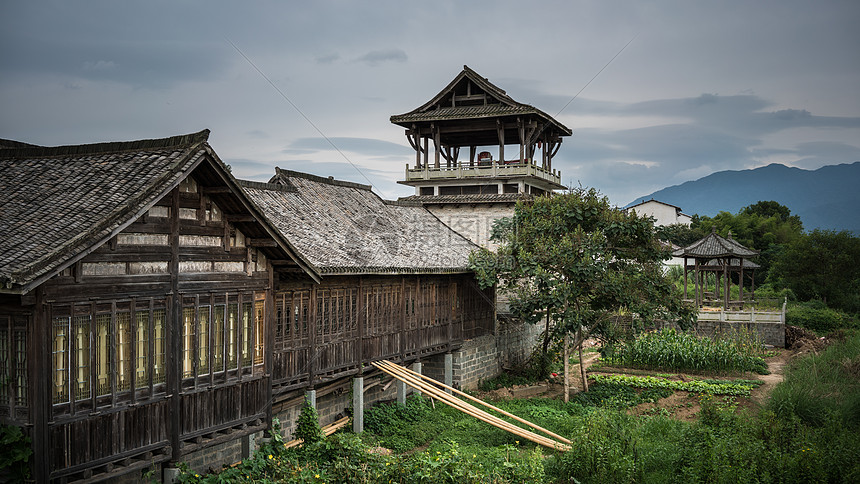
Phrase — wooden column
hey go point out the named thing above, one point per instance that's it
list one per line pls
(271, 323)
(472, 150)
(500, 129)
(174, 333)
(40, 377)
(437, 142)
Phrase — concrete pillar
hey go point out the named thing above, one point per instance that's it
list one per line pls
(401, 392)
(311, 398)
(449, 371)
(170, 474)
(416, 367)
(358, 405)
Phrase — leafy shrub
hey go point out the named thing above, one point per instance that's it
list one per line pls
(15, 452)
(308, 426)
(815, 315)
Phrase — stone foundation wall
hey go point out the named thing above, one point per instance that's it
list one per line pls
(484, 357)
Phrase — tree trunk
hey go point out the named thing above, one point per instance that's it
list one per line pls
(567, 367)
(582, 364)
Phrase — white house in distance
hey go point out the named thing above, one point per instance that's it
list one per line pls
(664, 214)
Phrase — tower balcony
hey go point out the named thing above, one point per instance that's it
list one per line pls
(488, 170)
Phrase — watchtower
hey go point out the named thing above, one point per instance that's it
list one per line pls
(472, 112)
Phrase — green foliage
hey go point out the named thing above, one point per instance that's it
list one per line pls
(820, 386)
(308, 425)
(611, 394)
(822, 265)
(505, 380)
(817, 317)
(572, 261)
(679, 234)
(673, 350)
(765, 226)
(15, 452)
(402, 427)
(698, 386)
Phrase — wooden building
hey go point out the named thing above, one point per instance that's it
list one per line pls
(150, 309)
(469, 194)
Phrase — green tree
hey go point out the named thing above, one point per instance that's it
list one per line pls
(765, 226)
(571, 261)
(825, 265)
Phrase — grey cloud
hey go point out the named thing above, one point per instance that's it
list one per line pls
(375, 57)
(327, 59)
(365, 146)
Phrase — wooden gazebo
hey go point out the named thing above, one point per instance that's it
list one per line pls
(720, 257)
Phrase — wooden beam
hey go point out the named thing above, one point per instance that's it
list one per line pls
(218, 189)
(260, 243)
(240, 217)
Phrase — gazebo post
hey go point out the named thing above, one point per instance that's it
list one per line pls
(741, 288)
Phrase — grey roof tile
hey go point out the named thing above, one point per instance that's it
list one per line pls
(56, 202)
(343, 227)
(713, 246)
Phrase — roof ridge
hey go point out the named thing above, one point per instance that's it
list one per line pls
(108, 147)
(266, 186)
(320, 179)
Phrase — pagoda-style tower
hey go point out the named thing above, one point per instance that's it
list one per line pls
(470, 194)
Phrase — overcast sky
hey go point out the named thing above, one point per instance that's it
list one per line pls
(702, 87)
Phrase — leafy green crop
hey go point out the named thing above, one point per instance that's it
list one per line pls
(698, 386)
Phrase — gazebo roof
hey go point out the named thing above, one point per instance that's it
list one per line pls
(713, 246)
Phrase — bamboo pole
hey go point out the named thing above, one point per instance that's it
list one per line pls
(477, 400)
(327, 430)
(474, 412)
(398, 372)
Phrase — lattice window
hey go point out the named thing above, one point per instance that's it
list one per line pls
(102, 354)
(259, 333)
(159, 363)
(187, 342)
(247, 325)
(20, 366)
(232, 335)
(123, 351)
(220, 313)
(141, 342)
(203, 340)
(60, 359)
(81, 358)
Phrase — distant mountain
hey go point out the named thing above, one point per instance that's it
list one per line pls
(826, 198)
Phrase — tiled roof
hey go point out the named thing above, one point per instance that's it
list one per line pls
(58, 202)
(733, 263)
(713, 246)
(465, 112)
(505, 105)
(343, 227)
(457, 199)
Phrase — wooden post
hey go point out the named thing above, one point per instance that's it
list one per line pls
(174, 333)
(40, 377)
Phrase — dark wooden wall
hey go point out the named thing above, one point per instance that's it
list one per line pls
(336, 328)
(171, 337)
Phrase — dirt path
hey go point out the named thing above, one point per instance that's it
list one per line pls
(776, 366)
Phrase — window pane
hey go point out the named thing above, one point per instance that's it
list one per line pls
(123, 351)
(258, 332)
(158, 329)
(82, 357)
(219, 338)
(246, 334)
(232, 335)
(187, 342)
(59, 358)
(142, 342)
(203, 340)
(103, 363)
